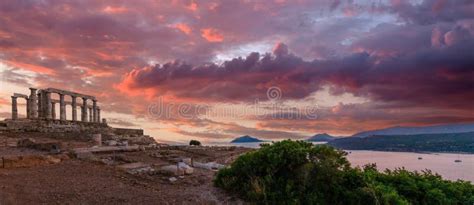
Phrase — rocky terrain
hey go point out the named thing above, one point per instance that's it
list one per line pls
(43, 170)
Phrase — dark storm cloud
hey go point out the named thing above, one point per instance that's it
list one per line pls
(422, 77)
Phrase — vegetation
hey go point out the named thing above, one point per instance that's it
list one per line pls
(297, 172)
(195, 142)
(448, 142)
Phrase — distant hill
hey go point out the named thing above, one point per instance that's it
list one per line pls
(436, 129)
(321, 138)
(245, 138)
(446, 142)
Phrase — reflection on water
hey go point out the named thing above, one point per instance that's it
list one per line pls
(441, 163)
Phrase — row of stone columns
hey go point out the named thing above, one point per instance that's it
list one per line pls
(40, 105)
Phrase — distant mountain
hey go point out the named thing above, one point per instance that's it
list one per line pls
(321, 138)
(245, 138)
(446, 142)
(436, 129)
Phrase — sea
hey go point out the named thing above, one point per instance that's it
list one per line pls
(450, 166)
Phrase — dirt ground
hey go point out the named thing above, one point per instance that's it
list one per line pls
(67, 180)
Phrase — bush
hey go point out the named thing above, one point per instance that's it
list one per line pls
(297, 172)
(195, 142)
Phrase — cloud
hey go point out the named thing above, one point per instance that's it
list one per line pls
(233, 130)
(212, 35)
(183, 28)
(5, 102)
(347, 119)
(121, 122)
(414, 78)
(399, 55)
(457, 35)
(114, 10)
(193, 6)
(12, 76)
(391, 39)
(433, 11)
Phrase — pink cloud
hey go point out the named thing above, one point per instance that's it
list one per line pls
(212, 35)
(31, 67)
(115, 10)
(193, 6)
(183, 28)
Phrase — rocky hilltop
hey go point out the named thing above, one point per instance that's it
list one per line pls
(49, 160)
(114, 168)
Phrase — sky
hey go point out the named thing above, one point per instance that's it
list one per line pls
(275, 69)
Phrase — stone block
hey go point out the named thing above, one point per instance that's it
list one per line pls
(110, 143)
(137, 168)
(209, 165)
(186, 169)
(180, 168)
(97, 138)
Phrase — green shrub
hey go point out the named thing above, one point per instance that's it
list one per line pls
(195, 142)
(297, 172)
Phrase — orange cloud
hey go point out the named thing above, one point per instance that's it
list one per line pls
(128, 83)
(114, 10)
(4, 34)
(97, 72)
(183, 28)
(128, 86)
(31, 67)
(4, 102)
(105, 56)
(212, 35)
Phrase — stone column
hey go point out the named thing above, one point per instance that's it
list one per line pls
(43, 103)
(90, 115)
(47, 104)
(28, 108)
(14, 108)
(94, 110)
(62, 107)
(98, 115)
(33, 103)
(40, 108)
(84, 110)
(74, 108)
(53, 110)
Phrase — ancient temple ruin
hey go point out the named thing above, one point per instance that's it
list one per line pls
(40, 105)
(41, 116)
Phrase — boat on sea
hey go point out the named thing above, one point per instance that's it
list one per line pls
(457, 160)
